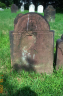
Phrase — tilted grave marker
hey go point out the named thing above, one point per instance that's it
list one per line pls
(32, 43)
(14, 8)
(49, 13)
(22, 7)
(59, 53)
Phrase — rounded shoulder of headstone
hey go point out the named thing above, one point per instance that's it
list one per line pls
(59, 40)
(36, 19)
(62, 37)
(16, 19)
(41, 16)
(49, 7)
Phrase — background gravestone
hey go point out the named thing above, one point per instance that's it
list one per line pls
(14, 8)
(22, 7)
(40, 9)
(1, 9)
(31, 44)
(32, 8)
(49, 13)
(59, 53)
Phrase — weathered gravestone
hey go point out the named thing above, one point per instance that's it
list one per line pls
(59, 53)
(49, 13)
(14, 8)
(40, 9)
(22, 8)
(32, 8)
(32, 43)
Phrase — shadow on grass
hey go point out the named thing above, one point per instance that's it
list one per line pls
(26, 91)
(11, 90)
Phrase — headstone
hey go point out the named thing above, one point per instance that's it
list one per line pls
(1, 9)
(22, 7)
(40, 9)
(14, 8)
(32, 8)
(59, 53)
(31, 43)
(49, 13)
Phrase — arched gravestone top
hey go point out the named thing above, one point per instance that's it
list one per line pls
(30, 22)
(32, 43)
(62, 37)
(59, 40)
(50, 8)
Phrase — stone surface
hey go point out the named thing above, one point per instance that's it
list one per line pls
(16, 19)
(32, 8)
(49, 13)
(59, 53)
(22, 8)
(14, 8)
(40, 9)
(31, 44)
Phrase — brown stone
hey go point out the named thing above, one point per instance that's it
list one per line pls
(32, 44)
(49, 13)
(14, 8)
(59, 53)
(16, 19)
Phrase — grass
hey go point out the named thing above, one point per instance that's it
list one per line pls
(27, 83)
